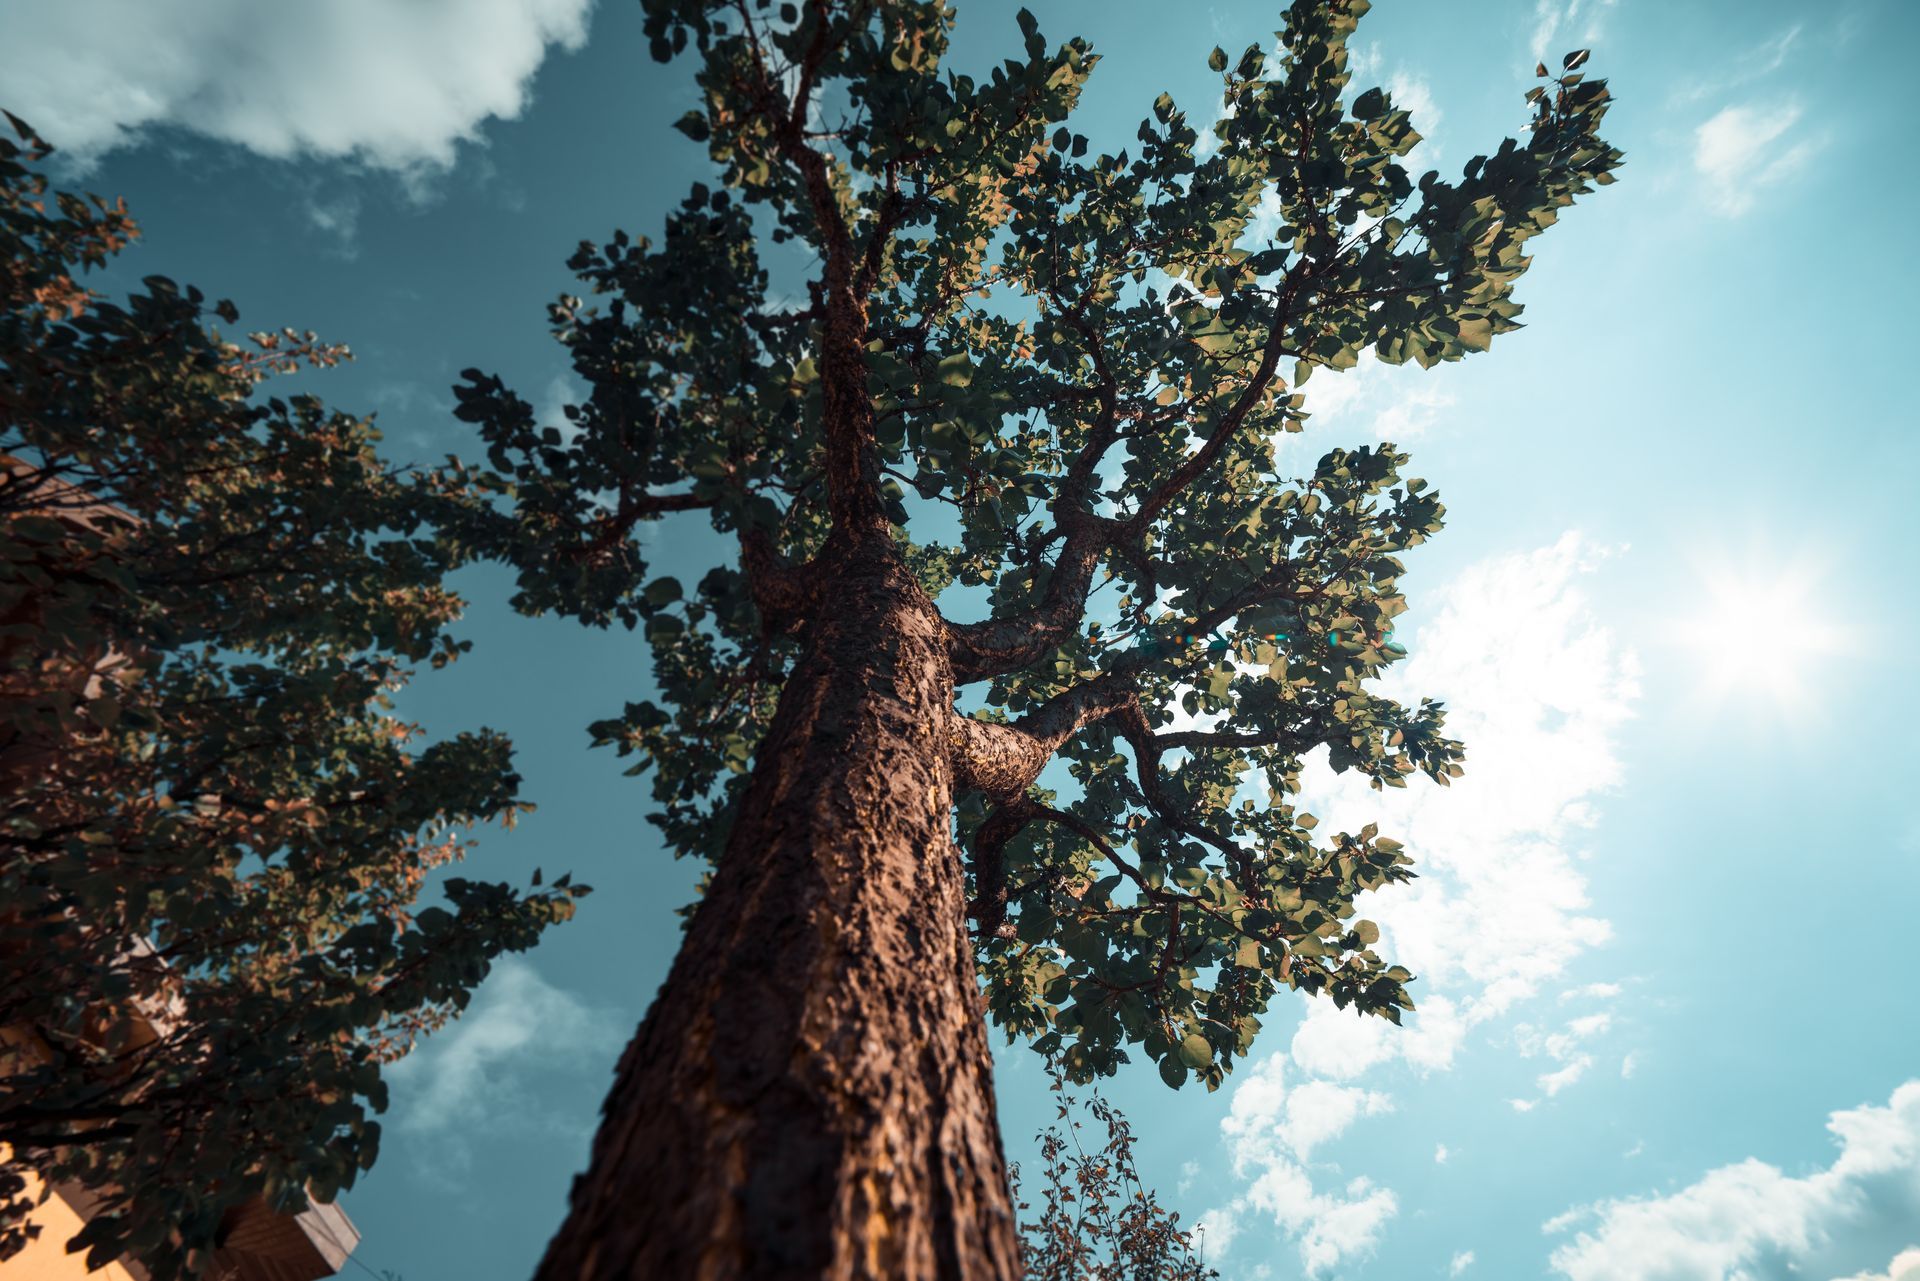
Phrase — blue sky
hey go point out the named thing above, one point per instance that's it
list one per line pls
(1666, 924)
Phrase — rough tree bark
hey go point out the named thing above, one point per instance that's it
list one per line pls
(811, 1093)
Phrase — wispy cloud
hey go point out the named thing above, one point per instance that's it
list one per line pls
(1537, 688)
(394, 86)
(490, 1068)
(1561, 25)
(1762, 59)
(1564, 1047)
(1741, 151)
(1409, 90)
(1459, 1263)
(1411, 93)
(337, 218)
(1750, 1219)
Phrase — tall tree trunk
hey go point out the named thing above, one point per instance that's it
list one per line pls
(811, 1093)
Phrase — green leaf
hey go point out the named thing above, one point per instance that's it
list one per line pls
(1194, 1050)
(955, 370)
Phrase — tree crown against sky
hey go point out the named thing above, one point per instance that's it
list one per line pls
(213, 828)
(1052, 381)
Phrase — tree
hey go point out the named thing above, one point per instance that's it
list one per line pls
(1005, 493)
(1098, 1222)
(213, 830)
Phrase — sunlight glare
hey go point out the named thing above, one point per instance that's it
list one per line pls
(1761, 635)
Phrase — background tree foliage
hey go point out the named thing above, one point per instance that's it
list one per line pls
(1060, 374)
(1097, 1221)
(213, 830)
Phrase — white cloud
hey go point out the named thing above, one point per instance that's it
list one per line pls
(1564, 1048)
(1741, 150)
(1592, 991)
(1560, 1045)
(1412, 94)
(1905, 1267)
(1321, 1110)
(1330, 1227)
(395, 86)
(475, 1074)
(1551, 1083)
(1589, 1025)
(1537, 688)
(1560, 25)
(1209, 141)
(1271, 1130)
(1561, 1222)
(1338, 1044)
(562, 390)
(1373, 401)
(1218, 1228)
(1440, 1154)
(1629, 1065)
(1267, 1118)
(1460, 1263)
(338, 219)
(1751, 1221)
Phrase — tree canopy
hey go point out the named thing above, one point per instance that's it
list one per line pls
(1054, 378)
(214, 829)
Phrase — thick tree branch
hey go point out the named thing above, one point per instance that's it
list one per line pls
(1004, 760)
(782, 593)
(611, 529)
(989, 905)
(982, 650)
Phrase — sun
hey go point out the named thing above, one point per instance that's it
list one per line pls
(1762, 635)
